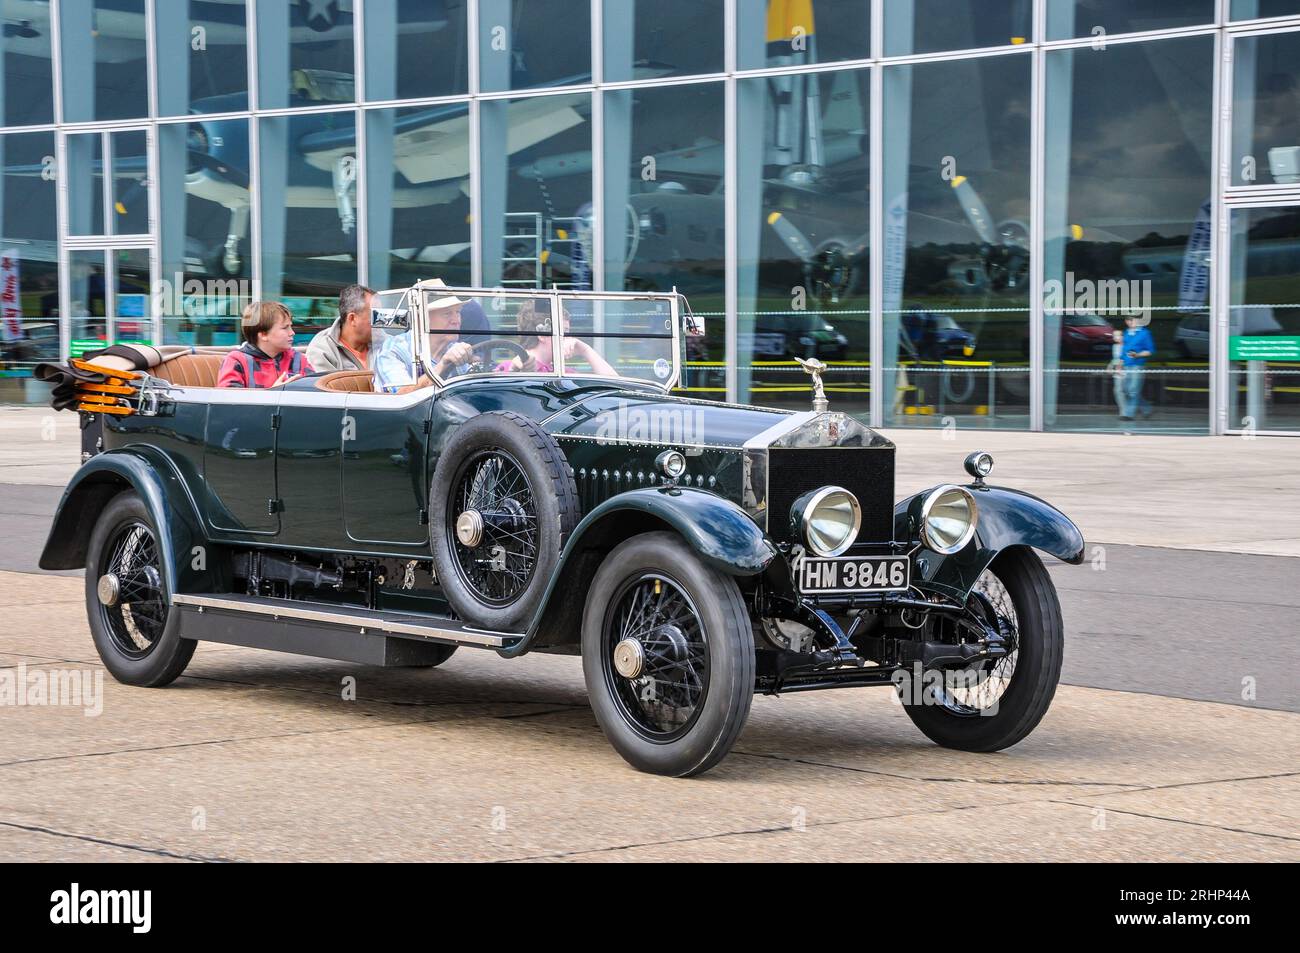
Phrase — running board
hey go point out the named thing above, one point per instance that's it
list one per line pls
(345, 633)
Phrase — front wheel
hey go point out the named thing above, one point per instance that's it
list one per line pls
(135, 629)
(995, 704)
(668, 656)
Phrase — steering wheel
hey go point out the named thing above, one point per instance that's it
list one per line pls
(483, 353)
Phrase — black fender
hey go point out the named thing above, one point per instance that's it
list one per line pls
(151, 475)
(1006, 518)
(721, 533)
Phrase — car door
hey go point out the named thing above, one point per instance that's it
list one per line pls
(385, 479)
(239, 461)
(309, 466)
(385, 445)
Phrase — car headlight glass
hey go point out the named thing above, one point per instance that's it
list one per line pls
(948, 518)
(828, 520)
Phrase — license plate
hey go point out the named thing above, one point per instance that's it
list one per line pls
(852, 574)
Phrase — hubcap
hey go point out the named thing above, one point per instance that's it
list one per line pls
(469, 528)
(108, 589)
(629, 658)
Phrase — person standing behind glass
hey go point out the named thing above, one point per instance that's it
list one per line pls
(1138, 348)
(1116, 367)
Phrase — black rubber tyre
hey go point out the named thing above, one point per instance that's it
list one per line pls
(543, 511)
(138, 638)
(1040, 643)
(708, 604)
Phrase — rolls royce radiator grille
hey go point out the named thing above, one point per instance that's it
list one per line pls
(866, 473)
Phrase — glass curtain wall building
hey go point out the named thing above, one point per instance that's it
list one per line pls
(955, 204)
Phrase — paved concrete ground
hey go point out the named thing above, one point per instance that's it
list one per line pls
(253, 755)
(1150, 751)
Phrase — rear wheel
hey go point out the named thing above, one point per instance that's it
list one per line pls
(996, 703)
(131, 620)
(668, 656)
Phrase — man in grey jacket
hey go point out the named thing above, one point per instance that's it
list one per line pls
(345, 344)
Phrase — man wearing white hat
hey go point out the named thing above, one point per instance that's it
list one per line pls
(395, 368)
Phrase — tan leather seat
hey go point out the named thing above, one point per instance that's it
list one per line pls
(361, 382)
(190, 370)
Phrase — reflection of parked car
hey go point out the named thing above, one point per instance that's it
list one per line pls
(558, 511)
(1083, 337)
(1192, 338)
(935, 336)
(40, 343)
(807, 335)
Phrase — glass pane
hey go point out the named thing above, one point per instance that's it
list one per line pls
(29, 274)
(1252, 9)
(536, 162)
(132, 318)
(956, 256)
(86, 184)
(205, 252)
(1266, 110)
(1128, 221)
(1264, 323)
(130, 182)
(105, 70)
(511, 334)
(664, 208)
(1067, 19)
(794, 32)
(414, 50)
(804, 238)
(524, 44)
(932, 26)
(87, 304)
(419, 215)
(304, 54)
(667, 38)
(627, 338)
(202, 51)
(27, 72)
(308, 213)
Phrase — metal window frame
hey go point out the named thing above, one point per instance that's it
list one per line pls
(1230, 199)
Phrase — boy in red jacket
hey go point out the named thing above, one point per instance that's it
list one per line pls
(266, 358)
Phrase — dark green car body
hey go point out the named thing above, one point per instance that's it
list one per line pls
(299, 472)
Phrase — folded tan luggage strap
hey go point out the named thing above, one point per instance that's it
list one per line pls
(121, 393)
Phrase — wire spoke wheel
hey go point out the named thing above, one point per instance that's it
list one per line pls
(656, 657)
(136, 618)
(499, 562)
(979, 689)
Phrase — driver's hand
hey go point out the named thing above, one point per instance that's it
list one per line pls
(574, 348)
(459, 353)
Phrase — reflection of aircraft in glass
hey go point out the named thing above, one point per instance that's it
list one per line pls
(120, 24)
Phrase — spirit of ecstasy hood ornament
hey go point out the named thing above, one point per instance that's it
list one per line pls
(814, 368)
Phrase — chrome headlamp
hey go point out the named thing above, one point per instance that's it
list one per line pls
(948, 519)
(827, 520)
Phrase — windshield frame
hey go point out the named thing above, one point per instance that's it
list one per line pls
(557, 297)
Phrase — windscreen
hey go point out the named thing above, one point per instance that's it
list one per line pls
(505, 333)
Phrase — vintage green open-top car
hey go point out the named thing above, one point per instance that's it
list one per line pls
(694, 553)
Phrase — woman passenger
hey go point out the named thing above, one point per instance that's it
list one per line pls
(534, 322)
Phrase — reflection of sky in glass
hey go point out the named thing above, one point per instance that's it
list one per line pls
(1140, 137)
